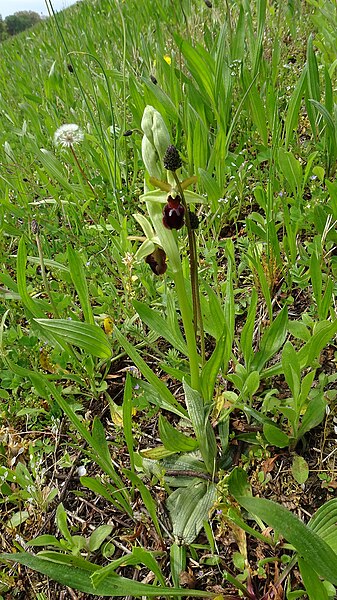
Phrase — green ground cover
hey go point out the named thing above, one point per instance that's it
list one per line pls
(168, 320)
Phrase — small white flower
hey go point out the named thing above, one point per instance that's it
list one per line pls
(81, 471)
(68, 135)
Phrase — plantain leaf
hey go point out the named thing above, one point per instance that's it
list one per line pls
(272, 340)
(86, 336)
(219, 360)
(189, 508)
(323, 522)
(159, 386)
(275, 436)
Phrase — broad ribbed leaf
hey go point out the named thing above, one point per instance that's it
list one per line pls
(88, 337)
(189, 508)
(313, 584)
(324, 523)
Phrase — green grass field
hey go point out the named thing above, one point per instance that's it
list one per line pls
(168, 420)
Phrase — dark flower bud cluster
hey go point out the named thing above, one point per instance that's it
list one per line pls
(173, 213)
(194, 220)
(172, 160)
(157, 261)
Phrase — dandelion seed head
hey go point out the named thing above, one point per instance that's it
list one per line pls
(68, 135)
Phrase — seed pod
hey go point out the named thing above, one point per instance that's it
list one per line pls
(172, 160)
(157, 261)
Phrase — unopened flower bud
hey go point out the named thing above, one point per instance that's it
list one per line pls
(35, 227)
(150, 158)
(161, 136)
(172, 160)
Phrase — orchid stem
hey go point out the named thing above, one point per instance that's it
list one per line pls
(197, 314)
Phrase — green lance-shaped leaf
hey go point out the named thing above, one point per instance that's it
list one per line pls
(80, 579)
(246, 340)
(313, 584)
(173, 439)
(109, 492)
(291, 169)
(158, 324)
(272, 340)
(80, 283)
(158, 385)
(202, 426)
(310, 546)
(88, 337)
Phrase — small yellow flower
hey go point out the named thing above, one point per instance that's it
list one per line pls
(108, 325)
(167, 59)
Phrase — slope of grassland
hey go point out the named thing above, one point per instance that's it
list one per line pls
(136, 420)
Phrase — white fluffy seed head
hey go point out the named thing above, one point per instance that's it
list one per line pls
(68, 135)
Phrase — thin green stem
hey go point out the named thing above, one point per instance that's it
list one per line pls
(44, 276)
(197, 314)
(124, 93)
(169, 244)
(188, 327)
(81, 170)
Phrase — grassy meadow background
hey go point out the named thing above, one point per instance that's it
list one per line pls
(247, 90)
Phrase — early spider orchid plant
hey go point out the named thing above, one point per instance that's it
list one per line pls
(168, 209)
